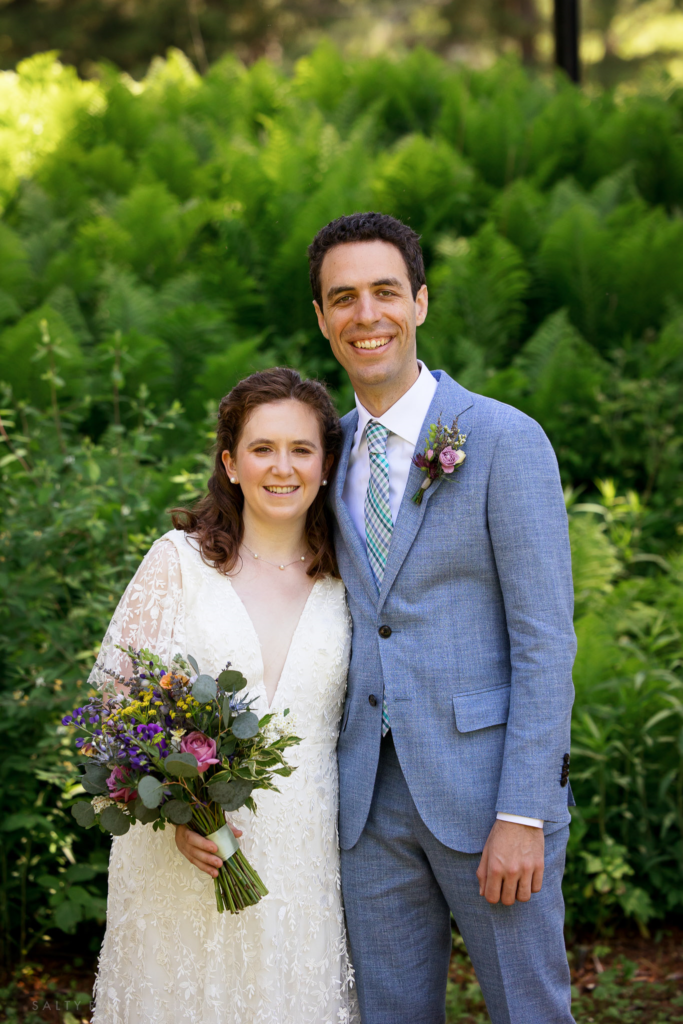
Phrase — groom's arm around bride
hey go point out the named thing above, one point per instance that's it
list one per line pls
(453, 752)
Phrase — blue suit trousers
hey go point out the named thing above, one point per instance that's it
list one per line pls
(400, 887)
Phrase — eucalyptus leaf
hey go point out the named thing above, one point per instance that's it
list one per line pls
(150, 791)
(93, 786)
(231, 795)
(204, 689)
(83, 813)
(194, 664)
(230, 679)
(245, 725)
(114, 820)
(144, 814)
(177, 811)
(97, 772)
(182, 765)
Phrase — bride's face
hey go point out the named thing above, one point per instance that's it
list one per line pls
(279, 462)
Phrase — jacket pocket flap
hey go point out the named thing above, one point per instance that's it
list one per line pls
(481, 709)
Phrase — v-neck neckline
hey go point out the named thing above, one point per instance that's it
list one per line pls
(269, 707)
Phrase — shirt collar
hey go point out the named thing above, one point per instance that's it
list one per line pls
(406, 416)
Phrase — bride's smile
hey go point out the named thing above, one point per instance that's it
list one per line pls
(279, 464)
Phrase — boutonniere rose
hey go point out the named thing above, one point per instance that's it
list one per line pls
(442, 456)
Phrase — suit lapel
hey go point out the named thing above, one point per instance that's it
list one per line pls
(354, 543)
(450, 401)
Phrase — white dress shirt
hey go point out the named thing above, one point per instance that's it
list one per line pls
(404, 422)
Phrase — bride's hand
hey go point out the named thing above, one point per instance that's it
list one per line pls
(200, 851)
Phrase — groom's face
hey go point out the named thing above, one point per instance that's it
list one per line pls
(368, 314)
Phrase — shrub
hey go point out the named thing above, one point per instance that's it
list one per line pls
(153, 251)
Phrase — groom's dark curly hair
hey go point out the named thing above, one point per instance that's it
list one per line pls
(367, 227)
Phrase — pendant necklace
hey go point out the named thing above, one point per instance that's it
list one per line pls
(276, 565)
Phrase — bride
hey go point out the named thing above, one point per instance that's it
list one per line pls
(249, 577)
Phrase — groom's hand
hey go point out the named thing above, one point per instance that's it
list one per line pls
(511, 865)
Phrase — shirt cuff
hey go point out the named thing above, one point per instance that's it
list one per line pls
(519, 820)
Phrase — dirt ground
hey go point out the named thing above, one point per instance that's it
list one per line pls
(626, 977)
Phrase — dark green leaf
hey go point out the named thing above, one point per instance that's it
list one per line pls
(177, 811)
(84, 814)
(231, 795)
(228, 746)
(67, 916)
(97, 772)
(114, 820)
(225, 711)
(93, 786)
(230, 679)
(181, 765)
(245, 725)
(80, 873)
(150, 791)
(144, 814)
(204, 689)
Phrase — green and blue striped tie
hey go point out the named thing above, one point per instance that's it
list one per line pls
(378, 521)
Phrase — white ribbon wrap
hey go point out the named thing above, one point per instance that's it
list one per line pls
(225, 841)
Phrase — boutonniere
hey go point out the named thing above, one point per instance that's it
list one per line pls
(442, 456)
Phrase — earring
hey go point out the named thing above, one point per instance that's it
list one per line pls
(233, 479)
(324, 483)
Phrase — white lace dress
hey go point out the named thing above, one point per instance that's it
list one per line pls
(168, 956)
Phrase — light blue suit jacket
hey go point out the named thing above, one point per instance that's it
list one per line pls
(478, 596)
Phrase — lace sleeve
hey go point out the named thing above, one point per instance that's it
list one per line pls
(150, 614)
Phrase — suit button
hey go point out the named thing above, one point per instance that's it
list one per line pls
(372, 700)
(563, 781)
(566, 759)
(385, 632)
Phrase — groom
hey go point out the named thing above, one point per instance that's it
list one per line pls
(453, 752)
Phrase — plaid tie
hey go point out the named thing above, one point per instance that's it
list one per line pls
(378, 522)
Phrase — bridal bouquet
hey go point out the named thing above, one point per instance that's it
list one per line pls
(180, 747)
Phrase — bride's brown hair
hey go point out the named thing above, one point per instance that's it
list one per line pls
(216, 520)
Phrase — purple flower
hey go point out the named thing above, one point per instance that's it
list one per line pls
(449, 459)
(66, 720)
(117, 784)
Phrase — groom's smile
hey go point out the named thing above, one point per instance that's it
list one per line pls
(369, 315)
(371, 344)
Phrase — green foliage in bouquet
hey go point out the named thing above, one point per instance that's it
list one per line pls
(176, 745)
(153, 250)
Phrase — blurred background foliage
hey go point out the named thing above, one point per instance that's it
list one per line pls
(153, 250)
(622, 40)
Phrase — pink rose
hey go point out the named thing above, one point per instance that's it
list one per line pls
(118, 790)
(203, 748)
(430, 455)
(449, 459)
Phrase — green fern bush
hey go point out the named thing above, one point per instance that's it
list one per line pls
(153, 251)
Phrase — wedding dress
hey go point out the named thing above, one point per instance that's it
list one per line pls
(168, 956)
